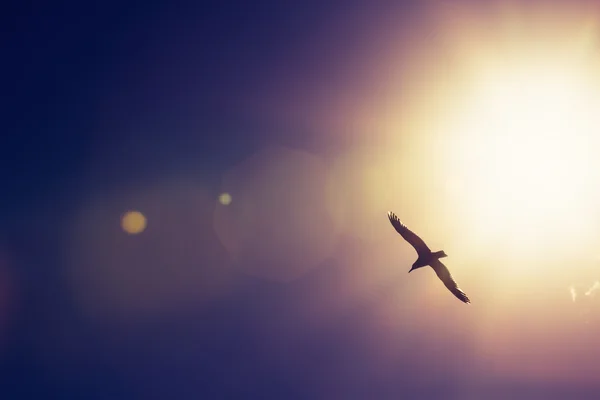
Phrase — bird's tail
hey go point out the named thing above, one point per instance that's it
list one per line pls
(439, 254)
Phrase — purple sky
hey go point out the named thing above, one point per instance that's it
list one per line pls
(317, 118)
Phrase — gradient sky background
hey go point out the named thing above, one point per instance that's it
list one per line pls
(316, 118)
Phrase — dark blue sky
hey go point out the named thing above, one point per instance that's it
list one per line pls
(112, 106)
(79, 80)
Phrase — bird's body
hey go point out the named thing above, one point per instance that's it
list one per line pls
(428, 258)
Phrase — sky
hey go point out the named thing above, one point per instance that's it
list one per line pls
(194, 200)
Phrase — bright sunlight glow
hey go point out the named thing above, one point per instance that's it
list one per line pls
(527, 142)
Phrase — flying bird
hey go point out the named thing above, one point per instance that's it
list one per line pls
(427, 257)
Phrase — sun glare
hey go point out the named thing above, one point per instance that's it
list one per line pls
(526, 145)
(528, 138)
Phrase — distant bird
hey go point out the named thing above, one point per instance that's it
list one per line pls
(426, 257)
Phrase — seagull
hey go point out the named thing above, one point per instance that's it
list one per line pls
(427, 257)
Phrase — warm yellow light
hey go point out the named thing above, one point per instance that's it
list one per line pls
(225, 199)
(133, 222)
(525, 142)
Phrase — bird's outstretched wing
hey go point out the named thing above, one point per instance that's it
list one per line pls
(409, 235)
(443, 273)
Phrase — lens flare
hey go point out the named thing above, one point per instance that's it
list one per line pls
(133, 222)
(225, 199)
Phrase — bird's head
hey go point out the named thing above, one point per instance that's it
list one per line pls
(414, 266)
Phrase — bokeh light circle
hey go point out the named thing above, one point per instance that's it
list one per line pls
(133, 222)
(225, 199)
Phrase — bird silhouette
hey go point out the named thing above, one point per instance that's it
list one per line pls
(427, 257)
